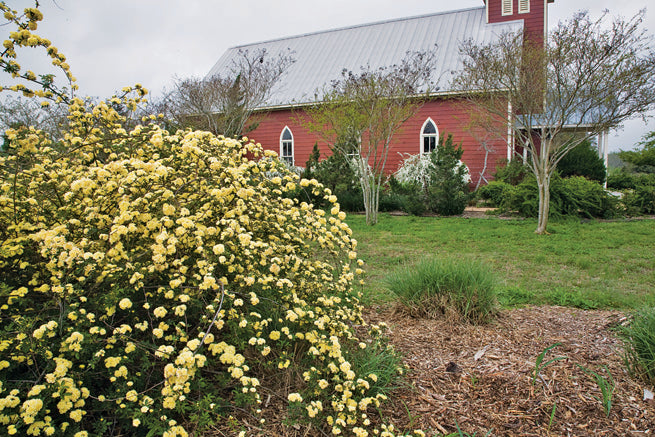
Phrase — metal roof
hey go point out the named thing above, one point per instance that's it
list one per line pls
(322, 56)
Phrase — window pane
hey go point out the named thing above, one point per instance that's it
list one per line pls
(286, 135)
(429, 143)
(430, 128)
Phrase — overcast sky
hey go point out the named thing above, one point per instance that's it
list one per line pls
(114, 43)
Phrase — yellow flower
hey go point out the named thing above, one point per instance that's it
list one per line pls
(125, 303)
(112, 361)
(295, 397)
(76, 415)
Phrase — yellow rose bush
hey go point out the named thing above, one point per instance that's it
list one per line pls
(155, 283)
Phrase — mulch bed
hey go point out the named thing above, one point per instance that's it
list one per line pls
(480, 377)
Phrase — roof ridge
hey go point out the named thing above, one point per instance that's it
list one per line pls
(355, 26)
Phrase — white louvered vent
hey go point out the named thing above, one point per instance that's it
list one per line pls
(507, 7)
(524, 6)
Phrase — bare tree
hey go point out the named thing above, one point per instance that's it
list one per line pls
(589, 76)
(360, 113)
(16, 111)
(224, 104)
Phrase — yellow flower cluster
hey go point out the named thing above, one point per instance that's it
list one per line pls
(23, 36)
(184, 219)
(146, 273)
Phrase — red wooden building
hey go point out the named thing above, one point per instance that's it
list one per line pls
(320, 58)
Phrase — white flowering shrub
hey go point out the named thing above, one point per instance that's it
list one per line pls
(416, 170)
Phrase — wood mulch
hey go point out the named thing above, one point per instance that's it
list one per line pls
(480, 377)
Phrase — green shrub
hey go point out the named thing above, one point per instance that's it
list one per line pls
(448, 190)
(351, 200)
(639, 201)
(462, 289)
(336, 173)
(390, 202)
(523, 198)
(575, 196)
(312, 163)
(639, 343)
(578, 196)
(409, 196)
(583, 160)
(494, 193)
(512, 173)
(621, 180)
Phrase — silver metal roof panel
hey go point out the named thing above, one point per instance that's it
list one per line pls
(322, 56)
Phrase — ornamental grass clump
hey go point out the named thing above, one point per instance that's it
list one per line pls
(156, 282)
(461, 289)
(639, 345)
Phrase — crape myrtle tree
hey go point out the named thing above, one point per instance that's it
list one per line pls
(588, 77)
(359, 114)
(224, 103)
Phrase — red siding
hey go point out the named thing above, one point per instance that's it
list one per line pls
(270, 128)
(534, 21)
(450, 115)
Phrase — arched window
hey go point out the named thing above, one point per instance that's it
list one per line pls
(286, 145)
(429, 136)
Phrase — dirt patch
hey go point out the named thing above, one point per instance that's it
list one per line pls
(480, 377)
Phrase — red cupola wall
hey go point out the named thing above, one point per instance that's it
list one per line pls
(534, 14)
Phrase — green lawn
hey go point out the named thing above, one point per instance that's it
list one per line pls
(587, 264)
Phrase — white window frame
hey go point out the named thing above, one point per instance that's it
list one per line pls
(289, 159)
(524, 6)
(424, 135)
(507, 8)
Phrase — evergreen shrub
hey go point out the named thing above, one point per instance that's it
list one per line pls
(409, 196)
(512, 173)
(448, 191)
(640, 201)
(439, 180)
(575, 196)
(494, 193)
(621, 180)
(583, 160)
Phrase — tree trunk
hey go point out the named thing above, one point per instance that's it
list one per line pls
(543, 182)
(370, 192)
